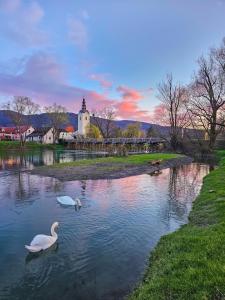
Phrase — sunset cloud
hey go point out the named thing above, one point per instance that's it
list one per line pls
(21, 23)
(77, 33)
(41, 77)
(102, 80)
(9, 6)
(128, 107)
(129, 94)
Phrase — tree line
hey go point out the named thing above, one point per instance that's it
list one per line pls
(200, 104)
(21, 108)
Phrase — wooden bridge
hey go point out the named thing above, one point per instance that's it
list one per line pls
(131, 144)
(121, 141)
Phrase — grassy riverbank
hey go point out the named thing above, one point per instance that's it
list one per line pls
(110, 167)
(138, 159)
(190, 263)
(30, 146)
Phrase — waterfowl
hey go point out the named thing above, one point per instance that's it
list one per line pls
(78, 202)
(66, 200)
(42, 241)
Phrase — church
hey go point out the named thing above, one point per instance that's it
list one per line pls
(83, 120)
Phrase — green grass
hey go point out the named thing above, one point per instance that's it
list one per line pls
(15, 145)
(190, 263)
(129, 160)
(220, 154)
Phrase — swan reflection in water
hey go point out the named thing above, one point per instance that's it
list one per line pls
(35, 255)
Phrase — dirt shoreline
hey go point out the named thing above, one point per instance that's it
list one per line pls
(105, 170)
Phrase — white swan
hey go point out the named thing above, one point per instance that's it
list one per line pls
(42, 241)
(66, 200)
(78, 202)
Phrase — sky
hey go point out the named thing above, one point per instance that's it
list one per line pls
(113, 53)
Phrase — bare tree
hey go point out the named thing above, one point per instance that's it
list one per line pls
(57, 118)
(20, 110)
(207, 96)
(173, 98)
(104, 120)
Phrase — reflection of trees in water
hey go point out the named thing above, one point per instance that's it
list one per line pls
(25, 188)
(184, 184)
(12, 161)
(26, 159)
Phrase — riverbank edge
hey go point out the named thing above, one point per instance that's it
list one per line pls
(189, 264)
(6, 146)
(106, 170)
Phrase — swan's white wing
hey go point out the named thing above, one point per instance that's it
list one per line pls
(66, 200)
(43, 241)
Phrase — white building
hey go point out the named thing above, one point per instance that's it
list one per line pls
(83, 120)
(65, 136)
(43, 135)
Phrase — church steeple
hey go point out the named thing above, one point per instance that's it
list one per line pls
(84, 105)
(84, 108)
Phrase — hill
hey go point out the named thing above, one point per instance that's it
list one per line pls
(41, 120)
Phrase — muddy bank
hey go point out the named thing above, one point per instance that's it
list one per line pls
(106, 170)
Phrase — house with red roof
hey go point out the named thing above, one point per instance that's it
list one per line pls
(16, 133)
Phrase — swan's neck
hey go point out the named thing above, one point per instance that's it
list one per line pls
(53, 233)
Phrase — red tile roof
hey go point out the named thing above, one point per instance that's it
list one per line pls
(14, 130)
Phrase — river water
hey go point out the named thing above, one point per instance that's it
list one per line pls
(103, 248)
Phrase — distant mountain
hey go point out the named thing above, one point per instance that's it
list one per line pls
(41, 120)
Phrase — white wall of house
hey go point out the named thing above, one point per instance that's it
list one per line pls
(66, 136)
(34, 139)
(48, 137)
(44, 139)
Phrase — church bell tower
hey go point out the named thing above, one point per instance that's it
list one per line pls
(83, 119)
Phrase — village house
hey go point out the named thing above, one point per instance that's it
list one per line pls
(65, 135)
(15, 133)
(43, 135)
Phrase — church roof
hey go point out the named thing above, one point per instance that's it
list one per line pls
(84, 108)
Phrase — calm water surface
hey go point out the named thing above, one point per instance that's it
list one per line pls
(28, 160)
(103, 248)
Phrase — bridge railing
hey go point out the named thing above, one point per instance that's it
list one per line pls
(152, 140)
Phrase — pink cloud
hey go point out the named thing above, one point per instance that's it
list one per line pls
(129, 93)
(43, 78)
(128, 107)
(77, 33)
(101, 79)
(159, 115)
(21, 23)
(9, 6)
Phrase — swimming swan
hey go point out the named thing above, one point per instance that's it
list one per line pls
(66, 200)
(42, 241)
